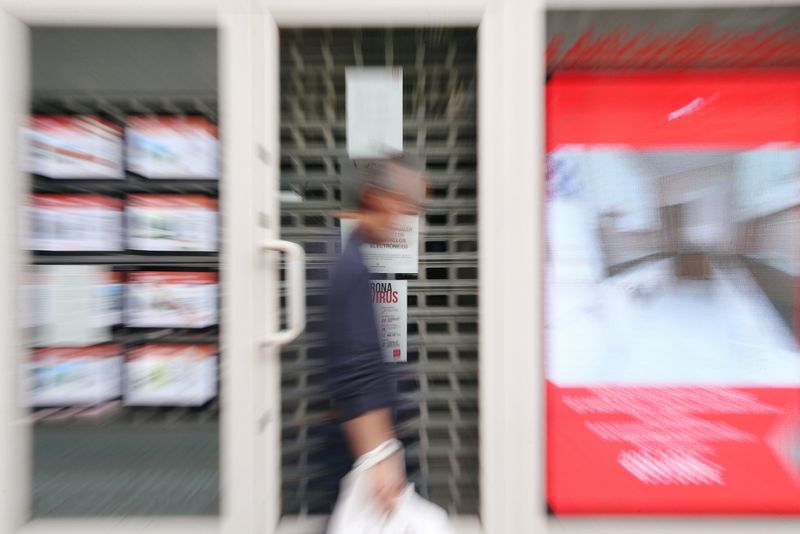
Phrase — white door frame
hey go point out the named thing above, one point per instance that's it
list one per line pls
(245, 421)
(507, 91)
(249, 422)
(511, 71)
(15, 439)
(509, 126)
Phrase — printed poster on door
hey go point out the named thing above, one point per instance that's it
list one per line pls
(390, 299)
(400, 254)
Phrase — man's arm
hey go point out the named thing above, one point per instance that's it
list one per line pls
(365, 433)
(360, 386)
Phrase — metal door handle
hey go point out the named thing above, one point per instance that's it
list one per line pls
(296, 285)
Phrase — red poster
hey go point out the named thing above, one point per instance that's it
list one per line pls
(672, 273)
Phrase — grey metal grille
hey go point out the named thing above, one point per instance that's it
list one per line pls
(439, 384)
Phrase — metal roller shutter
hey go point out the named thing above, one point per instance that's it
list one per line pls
(439, 384)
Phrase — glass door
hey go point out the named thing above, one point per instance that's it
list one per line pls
(123, 217)
(426, 79)
(140, 376)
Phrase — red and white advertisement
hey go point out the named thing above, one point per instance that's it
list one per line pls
(390, 301)
(170, 375)
(672, 276)
(160, 146)
(74, 376)
(74, 223)
(81, 146)
(171, 222)
(171, 299)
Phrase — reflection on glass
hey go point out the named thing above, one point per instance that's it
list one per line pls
(669, 267)
(120, 303)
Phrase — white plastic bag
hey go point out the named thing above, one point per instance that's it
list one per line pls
(357, 511)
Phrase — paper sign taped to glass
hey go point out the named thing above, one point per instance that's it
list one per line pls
(374, 111)
(390, 300)
(398, 255)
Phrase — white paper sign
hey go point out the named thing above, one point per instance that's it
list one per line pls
(390, 299)
(374, 111)
(69, 302)
(399, 255)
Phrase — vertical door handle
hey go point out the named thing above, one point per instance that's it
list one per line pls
(296, 291)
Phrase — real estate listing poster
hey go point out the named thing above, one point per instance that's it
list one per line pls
(74, 376)
(73, 146)
(170, 375)
(74, 223)
(157, 299)
(171, 223)
(177, 147)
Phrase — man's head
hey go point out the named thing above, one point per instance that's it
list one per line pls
(389, 188)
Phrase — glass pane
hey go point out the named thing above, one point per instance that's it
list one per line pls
(122, 293)
(435, 119)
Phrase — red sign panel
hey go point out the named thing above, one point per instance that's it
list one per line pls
(672, 269)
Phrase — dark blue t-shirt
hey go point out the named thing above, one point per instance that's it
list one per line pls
(359, 379)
